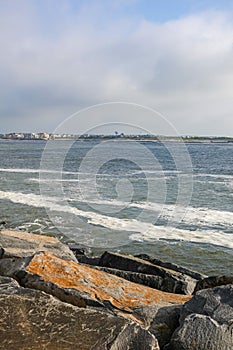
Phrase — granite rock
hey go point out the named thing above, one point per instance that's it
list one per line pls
(201, 332)
(93, 261)
(165, 322)
(136, 277)
(34, 320)
(79, 249)
(161, 320)
(168, 280)
(206, 321)
(23, 244)
(194, 274)
(213, 281)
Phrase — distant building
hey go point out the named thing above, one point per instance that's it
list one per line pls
(27, 136)
(43, 136)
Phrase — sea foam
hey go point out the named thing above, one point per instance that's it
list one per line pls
(141, 231)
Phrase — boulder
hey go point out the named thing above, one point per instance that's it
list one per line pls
(34, 320)
(93, 260)
(194, 274)
(165, 322)
(23, 244)
(79, 249)
(161, 320)
(201, 332)
(206, 321)
(213, 281)
(167, 280)
(136, 277)
(83, 285)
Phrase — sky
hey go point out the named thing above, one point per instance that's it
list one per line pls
(62, 57)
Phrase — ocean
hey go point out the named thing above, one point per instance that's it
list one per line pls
(170, 200)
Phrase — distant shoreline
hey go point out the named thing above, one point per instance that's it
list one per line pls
(197, 140)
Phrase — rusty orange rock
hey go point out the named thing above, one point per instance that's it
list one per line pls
(97, 285)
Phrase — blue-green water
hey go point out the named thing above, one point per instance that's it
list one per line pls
(133, 197)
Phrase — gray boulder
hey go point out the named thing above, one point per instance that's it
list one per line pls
(22, 244)
(194, 274)
(165, 322)
(34, 320)
(79, 249)
(213, 281)
(206, 321)
(161, 320)
(167, 280)
(201, 332)
(136, 277)
(92, 261)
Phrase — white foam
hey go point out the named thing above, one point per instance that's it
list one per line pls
(145, 231)
(55, 180)
(157, 172)
(54, 205)
(217, 176)
(170, 233)
(36, 171)
(18, 170)
(195, 216)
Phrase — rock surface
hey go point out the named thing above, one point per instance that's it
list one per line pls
(23, 244)
(120, 304)
(206, 321)
(33, 320)
(165, 322)
(194, 274)
(93, 261)
(167, 279)
(83, 285)
(213, 281)
(136, 277)
(161, 320)
(79, 249)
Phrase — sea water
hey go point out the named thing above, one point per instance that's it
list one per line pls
(140, 197)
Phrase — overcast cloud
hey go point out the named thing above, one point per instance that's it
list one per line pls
(57, 58)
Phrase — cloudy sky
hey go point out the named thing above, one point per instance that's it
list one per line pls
(174, 56)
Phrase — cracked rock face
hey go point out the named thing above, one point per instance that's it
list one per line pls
(156, 276)
(206, 321)
(34, 320)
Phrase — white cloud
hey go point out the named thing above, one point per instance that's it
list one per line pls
(54, 63)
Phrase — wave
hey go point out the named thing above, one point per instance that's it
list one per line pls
(140, 231)
(191, 216)
(37, 171)
(18, 170)
(55, 180)
(198, 236)
(195, 216)
(158, 172)
(218, 176)
(133, 172)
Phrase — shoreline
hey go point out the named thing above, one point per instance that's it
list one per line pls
(157, 139)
